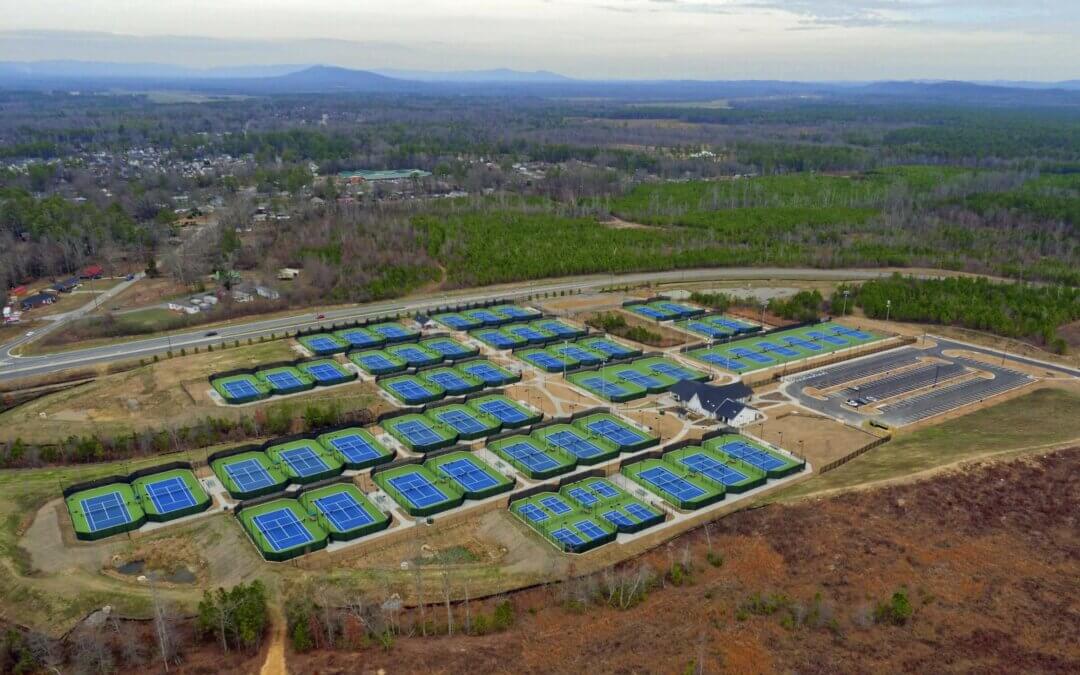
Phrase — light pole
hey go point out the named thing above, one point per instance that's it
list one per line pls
(846, 294)
(764, 304)
(888, 309)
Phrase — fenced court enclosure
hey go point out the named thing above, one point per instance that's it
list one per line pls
(326, 372)
(356, 448)
(757, 352)
(120, 504)
(343, 511)
(304, 460)
(417, 490)
(324, 344)
(248, 474)
(663, 310)
(452, 381)
(281, 529)
(378, 361)
(717, 326)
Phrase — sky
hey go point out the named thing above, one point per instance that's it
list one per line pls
(633, 39)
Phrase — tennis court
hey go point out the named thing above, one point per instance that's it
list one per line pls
(323, 344)
(250, 475)
(414, 355)
(360, 337)
(670, 369)
(737, 447)
(717, 326)
(282, 530)
(456, 321)
(378, 362)
(488, 317)
(491, 374)
(448, 348)
(654, 383)
(509, 413)
(545, 361)
(714, 469)
(517, 312)
(558, 328)
(528, 333)
(609, 347)
(498, 339)
(285, 380)
(465, 421)
(651, 312)
(674, 483)
(411, 390)
(170, 494)
(418, 490)
(326, 372)
(568, 439)
(620, 434)
(606, 387)
(532, 457)
(582, 355)
(474, 478)
(748, 354)
(105, 511)
(302, 461)
(344, 511)
(238, 389)
(357, 447)
(392, 331)
(418, 433)
(452, 381)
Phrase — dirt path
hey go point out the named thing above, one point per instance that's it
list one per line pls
(275, 653)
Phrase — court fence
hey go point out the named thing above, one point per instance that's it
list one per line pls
(855, 453)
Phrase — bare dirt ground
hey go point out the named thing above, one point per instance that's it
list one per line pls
(820, 439)
(988, 558)
(573, 305)
(147, 292)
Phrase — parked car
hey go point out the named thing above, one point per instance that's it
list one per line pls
(321, 316)
(130, 277)
(211, 333)
(854, 403)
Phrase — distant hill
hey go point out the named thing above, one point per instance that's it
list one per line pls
(326, 79)
(110, 70)
(494, 75)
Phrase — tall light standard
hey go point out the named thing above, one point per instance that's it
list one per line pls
(846, 294)
(888, 309)
(764, 304)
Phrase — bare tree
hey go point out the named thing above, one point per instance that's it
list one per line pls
(446, 597)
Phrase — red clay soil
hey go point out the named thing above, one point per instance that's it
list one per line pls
(990, 559)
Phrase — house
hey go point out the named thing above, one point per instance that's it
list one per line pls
(65, 286)
(179, 306)
(92, 272)
(726, 403)
(239, 295)
(38, 300)
(425, 322)
(267, 292)
(288, 273)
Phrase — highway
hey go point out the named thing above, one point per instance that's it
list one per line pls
(13, 366)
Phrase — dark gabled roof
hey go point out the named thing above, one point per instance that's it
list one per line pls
(729, 409)
(711, 397)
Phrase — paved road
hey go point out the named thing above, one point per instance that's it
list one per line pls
(13, 366)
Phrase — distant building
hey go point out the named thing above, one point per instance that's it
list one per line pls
(267, 292)
(725, 403)
(92, 272)
(288, 273)
(65, 286)
(32, 301)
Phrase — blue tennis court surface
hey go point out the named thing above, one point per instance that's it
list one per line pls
(458, 322)
(639, 511)
(651, 312)
(616, 432)
(485, 371)
(707, 329)
(555, 505)
(304, 461)
(558, 328)
(105, 511)
(722, 361)
(447, 348)
(779, 349)
(496, 338)
(462, 421)
(355, 448)
(375, 362)
(282, 380)
(674, 372)
(578, 354)
(589, 529)
(413, 355)
(526, 332)
(448, 381)
(752, 456)
(249, 475)
(831, 339)
(408, 389)
(599, 384)
(418, 433)
(417, 489)
(533, 513)
(170, 494)
(610, 348)
(728, 323)
(324, 372)
(391, 331)
(668, 482)
(745, 353)
(532, 458)
(583, 496)
(486, 316)
(712, 468)
(343, 511)
(604, 490)
(801, 343)
(617, 519)
(323, 344)
(468, 475)
(851, 332)
(240, 388)
(574, 444)
(546, 361)
(359, 339)
(568, 537)
(282, 529)
(516, 312)
(640, 379)
(503, 410)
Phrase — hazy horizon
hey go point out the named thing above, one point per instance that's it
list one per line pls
(590, 39)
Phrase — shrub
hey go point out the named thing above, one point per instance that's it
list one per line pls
(896, 611)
